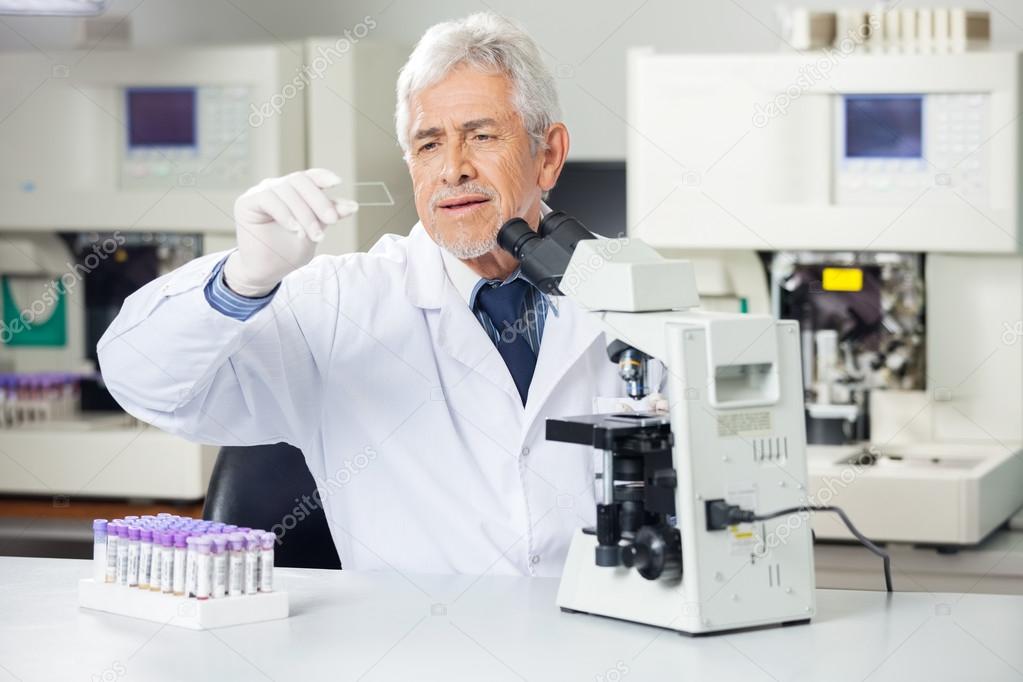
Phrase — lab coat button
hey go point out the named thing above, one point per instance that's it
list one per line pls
(525, 452)
(535, 559)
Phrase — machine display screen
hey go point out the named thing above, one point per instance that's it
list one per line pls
(161, 117)
(884, 126)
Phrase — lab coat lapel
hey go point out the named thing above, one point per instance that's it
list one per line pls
(458, 333)
(566, 337)
(425, 279)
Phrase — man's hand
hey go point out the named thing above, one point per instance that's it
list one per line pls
(278, 224)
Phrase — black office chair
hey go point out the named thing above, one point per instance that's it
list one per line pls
(257, 486)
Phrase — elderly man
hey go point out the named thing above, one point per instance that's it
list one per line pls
(415, 378)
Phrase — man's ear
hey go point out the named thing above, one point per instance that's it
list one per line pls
(553, 157)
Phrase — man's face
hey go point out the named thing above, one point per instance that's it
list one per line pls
(470, 160)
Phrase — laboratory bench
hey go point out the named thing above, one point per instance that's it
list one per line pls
(347, 625)
(62, 526)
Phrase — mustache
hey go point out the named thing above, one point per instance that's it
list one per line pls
(468, 188)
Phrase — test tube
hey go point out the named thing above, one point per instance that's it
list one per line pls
(111, 574)
(99, 550)
(266, 562)
(190, 565)
(145, 556)
(219, 549)
(156, 562)
(179, 563)
(167, 564)
(133, 556)
(122, 554)
(203, 566)
(236, 564)
(252, 548)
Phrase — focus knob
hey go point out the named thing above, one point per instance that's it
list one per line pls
(656, 552)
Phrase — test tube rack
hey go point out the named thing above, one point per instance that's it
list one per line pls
(169, 609)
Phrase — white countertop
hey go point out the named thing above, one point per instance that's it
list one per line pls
(372, 626)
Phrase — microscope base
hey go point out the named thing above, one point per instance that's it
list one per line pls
(623, 594)
(788, 623)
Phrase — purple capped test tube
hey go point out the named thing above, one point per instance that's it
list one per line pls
(236, 564)
(266, 561)
(178, 579)
(122, 553)
(219, 550)
(99, 550)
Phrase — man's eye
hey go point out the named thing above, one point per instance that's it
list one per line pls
(429, 146)
(483, 137)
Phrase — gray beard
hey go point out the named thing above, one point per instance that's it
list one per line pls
(462, 246)
(464, 249)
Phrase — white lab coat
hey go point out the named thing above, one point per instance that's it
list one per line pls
(373, 365)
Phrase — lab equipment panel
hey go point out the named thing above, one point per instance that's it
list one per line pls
(891, 147)
(197, 131)
(863, 151)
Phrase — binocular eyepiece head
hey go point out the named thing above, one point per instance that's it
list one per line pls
(543, 254)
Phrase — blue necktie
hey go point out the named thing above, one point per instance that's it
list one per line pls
(504, 305)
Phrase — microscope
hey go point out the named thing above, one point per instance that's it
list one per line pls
(702, 514)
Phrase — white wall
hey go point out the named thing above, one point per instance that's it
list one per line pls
(584, 40)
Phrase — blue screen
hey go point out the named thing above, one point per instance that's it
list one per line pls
(884, 126)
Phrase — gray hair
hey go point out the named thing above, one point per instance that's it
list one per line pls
(490, 43)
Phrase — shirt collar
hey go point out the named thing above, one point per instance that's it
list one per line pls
(466, 282)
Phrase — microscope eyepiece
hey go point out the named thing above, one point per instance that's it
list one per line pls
(514, 234)
(543, 256)
(564, 228)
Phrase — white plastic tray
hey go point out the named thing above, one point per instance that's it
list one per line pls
(179, 611)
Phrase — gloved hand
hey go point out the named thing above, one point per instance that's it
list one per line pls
(278, 224)
(655, 402)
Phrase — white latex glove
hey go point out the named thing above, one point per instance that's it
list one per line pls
(278, 224)
(655, 402)
(659, 403)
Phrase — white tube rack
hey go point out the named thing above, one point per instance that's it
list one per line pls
(181, 611)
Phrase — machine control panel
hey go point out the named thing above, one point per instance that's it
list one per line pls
(186, 135)
(892, 147)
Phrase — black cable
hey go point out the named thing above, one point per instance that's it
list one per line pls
(848, 524)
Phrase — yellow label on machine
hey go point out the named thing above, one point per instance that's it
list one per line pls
(842, 279)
